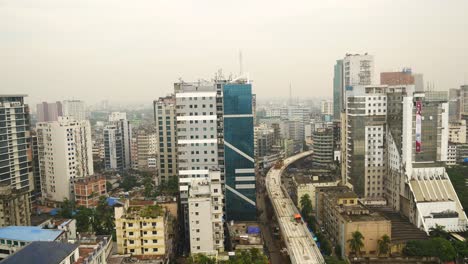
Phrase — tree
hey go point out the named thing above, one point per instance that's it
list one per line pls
(434, 247)
(253, 256)
(67, 209)
(338, 251)
(306, 205)
(355, 243)
(103, 223)
(128, 183)
(334, 260)
(384, 245)
(108, 186)
(84, 218)
(443, 249)
(438, 231)
(201, 259)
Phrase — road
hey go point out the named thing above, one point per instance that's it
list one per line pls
(299, 241)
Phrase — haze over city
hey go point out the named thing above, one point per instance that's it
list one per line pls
(96, 50)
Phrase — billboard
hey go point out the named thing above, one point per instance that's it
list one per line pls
(418, 126)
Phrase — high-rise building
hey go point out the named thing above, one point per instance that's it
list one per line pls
(197, 137)
(364, 161)
(166, 131)
(264, 140)
(49, 111)
(464, 99)
(239, 162)
(337, 90)
(117, 142)
(37, 192)
(146, 148)
(75, 109)
(16, 175)
(322, 145)
(418, 82)
(327, 107)
(454, 105)
(65, 155)
(215, 131)
(205, 206)
(417, 184)
(357, 70)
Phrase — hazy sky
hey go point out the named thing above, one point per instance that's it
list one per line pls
(136, 49)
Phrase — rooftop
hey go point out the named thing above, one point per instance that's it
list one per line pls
(41, 253)
(148, 211)
(29, 233)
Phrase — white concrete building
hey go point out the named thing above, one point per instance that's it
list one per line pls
(65, 153)
(452, 155)
(116, 116)
(357, 70)
(75, 109)
(327, 107)
(205, 205)
(457, 132)
(418, 185)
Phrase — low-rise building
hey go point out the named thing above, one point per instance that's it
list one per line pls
(94, 249)
(89, 189)
(307, 185)
(340, 213)
(245, 235)
(13, 238)
(42, 252)
(141, 229)
(452, 155)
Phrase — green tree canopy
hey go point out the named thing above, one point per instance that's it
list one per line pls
(356, 242)
(384, 245)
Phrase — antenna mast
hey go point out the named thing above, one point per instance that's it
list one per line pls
(241, 70)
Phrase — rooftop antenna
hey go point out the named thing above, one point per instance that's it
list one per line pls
(241, 70)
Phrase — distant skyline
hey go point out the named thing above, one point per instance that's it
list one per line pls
(134, 51)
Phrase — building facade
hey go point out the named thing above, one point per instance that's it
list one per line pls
(117, 143)
(89, 189)
(322, 145)
(141, 229)
(65, 154)
(16, 174)
(48, 111)
(205, 205)
(166, 131)
(74, 109)
(239, 161)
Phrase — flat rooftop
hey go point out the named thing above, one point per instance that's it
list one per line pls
(41, 252)
(29, 233)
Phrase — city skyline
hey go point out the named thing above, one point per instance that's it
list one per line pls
(101, 50)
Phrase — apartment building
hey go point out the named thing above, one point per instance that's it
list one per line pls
(49, 111)
(457, 132)
(166, 131)
(364, 127)
(16, 174)
(141, 229)
(65, 155)
(322, 145)
(117, 142)
(146, 149)
(205, 205)
(74, 109)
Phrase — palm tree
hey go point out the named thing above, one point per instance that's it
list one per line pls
(355, 243)
(438, 231)
(384, 245)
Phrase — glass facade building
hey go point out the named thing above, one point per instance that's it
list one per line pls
(239, 152)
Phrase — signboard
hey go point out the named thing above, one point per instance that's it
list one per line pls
(418, 126)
